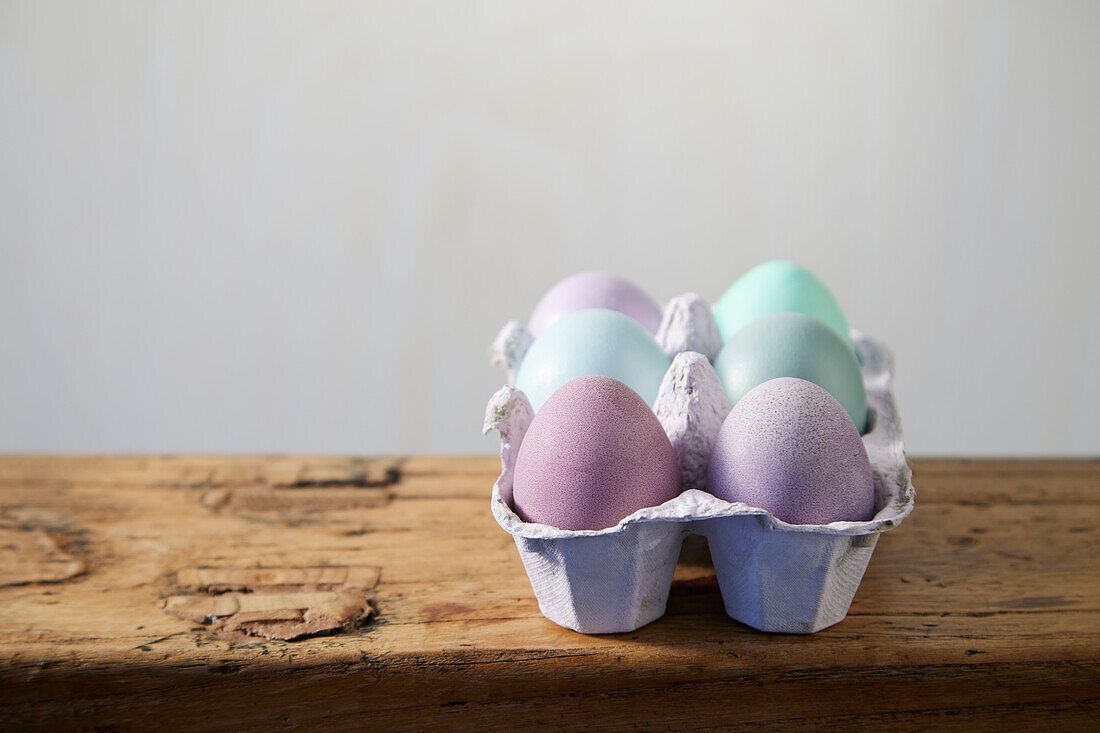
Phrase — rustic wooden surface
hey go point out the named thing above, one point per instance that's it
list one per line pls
(982, 610)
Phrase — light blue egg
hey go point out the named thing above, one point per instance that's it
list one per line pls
(793, 345)
(776, 287)
(592, 341)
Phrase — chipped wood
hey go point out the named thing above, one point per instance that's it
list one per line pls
(284, 603)
(981, 611)
(280, 616)
(31, 556)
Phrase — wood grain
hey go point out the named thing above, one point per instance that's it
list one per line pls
(982, 610)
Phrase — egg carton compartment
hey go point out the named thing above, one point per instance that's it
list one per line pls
(773, 576)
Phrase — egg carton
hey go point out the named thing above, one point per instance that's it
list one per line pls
(773, 576)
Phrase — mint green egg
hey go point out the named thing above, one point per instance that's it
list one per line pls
(592, 341)
(778, 287)
(793, 345)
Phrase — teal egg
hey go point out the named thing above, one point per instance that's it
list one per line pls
(592, 341)
(793, 345)
(778, 287)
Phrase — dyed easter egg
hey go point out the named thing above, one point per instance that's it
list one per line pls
(793, 345)
(594, 341)
(594, 290)
(777, 287)
(789, 447)
(594, 454)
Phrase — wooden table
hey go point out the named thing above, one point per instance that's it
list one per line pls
(981, 610)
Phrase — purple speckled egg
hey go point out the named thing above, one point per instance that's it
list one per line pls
(789, 447)
(594, 454)
(594, 290)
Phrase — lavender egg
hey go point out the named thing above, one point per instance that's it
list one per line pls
(594, 454)
(595, 290)
(789, 447)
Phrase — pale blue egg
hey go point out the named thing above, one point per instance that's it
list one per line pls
(592, 341)
(793, 345)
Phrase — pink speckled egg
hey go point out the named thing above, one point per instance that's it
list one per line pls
(594, 454)
(789, 447)
(594, 290)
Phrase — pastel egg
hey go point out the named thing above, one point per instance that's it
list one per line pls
(594, 454)
(594, 290)
(789, 447)
(594, 341)
(777, 287)
(793, 345)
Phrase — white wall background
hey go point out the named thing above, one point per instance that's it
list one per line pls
(296, 227)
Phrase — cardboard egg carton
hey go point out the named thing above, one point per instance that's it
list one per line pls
(773, 576)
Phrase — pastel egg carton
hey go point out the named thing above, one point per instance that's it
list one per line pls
(773, 576)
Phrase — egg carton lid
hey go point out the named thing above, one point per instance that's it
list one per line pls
(691, 406)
